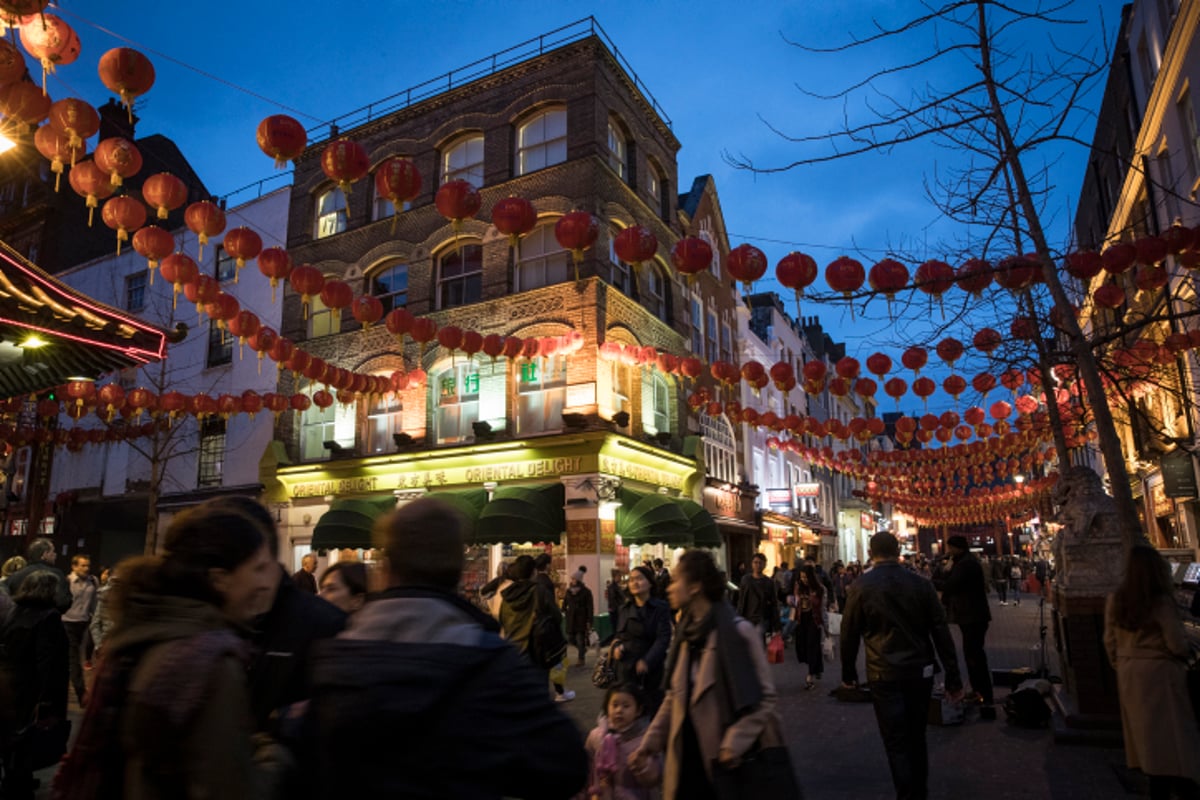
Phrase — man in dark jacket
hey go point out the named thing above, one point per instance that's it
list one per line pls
(41, 559)
(898, 614)
(578, 608)
(757, 600)
(965, 596)
(421, 664)
(1000, 579)
(303, 578)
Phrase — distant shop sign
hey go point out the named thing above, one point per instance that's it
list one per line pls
(807, 489)
(1179, 474)
(866, 521)
(779, 497)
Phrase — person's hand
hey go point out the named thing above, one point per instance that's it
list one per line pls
(728, 760)
(956, 696)
(642, 667)
(616, 652)
(638, 759)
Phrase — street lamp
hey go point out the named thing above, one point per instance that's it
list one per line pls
(6, 143)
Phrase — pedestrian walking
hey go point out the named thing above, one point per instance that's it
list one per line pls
(35, 665)
(344, 584)
(757, 600)
(898, 615)
(1000, 578)
(10, 567)
(41, 558)
(662, 579)
(808, 612)
(615, 596)
(548, 607)
(421, 660)
(642, 637)
(1147, 646)
(721, 698)
(1014, 581)
(305, 577)
(965, 597)
(578, 608)
(76, 619)
(170, 713)
(102, 619)
(617, 736)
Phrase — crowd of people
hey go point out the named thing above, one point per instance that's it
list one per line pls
(210, 671)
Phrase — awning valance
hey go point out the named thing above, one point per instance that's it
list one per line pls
(645, 518)
(348, 523)
(704, 527)
(521, 514)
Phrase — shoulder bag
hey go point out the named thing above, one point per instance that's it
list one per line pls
(765, 771)
(604, 674)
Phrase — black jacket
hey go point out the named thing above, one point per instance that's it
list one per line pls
(420, 698)
(282, 639)
(578, 609)
(62, 595)
(33, 657)
(898, 614)
(305, 581)
(964, 592)
(645, 633)
(758, 601)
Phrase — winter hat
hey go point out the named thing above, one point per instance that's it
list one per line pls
(645, 571)
(577, 575)
(424, 544)
(958, 541)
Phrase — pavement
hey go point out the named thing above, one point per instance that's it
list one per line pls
(838, 754)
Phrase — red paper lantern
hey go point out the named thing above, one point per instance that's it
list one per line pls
(847, 367)
(204, 219)
(282, 138)
(879, 364)
(165, 193)
(986, 340)
(83, 392)
(1024, 328)
(514, 217)
(252, 402)
(301, 402)
(1151, 250)
(1000, 410)
(984, 382)
(127, 73)
(244, 245)
(56, 147)
(308, 282)
(924, 388)
(24, 103)
(796, 271)
(865, 387)
(450, 337)
(456, 201)
(424, 330)
(950, 350)
(954, 385)
(345, 162)
(691, 256)
(1017, 272)
(223, 308)
(814, 370)
(934, 277)
(281, 352)
(1012, 379)
(747, 264)
(781, 372)
(263, 340)
(888, 276)
(123, 214)
(154, 244)
(1150, 279)
(513, 345)
(1083, 265)
(243, 325)
(276, 265)
(51, 41)
(493, 346)
(399, 180)
(178, 270)
(845, 275)
(974, 416)
(635, 244)
(577, 231)
(202, 291)
(12, 63)
(118, 158)
(90, 182)
(472, 343)
(336, 295)
(367, 310)
(1109, 295)
(1119, 257)
(398, 322)
(75, 119)
(691, 367)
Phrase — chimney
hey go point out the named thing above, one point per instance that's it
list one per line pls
(116, 121)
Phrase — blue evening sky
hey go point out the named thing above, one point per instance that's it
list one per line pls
(715, 67)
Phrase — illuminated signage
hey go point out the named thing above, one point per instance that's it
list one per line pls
(867, 521)
(627, 469)
(779, 497)
(335, 487)
(807, 489)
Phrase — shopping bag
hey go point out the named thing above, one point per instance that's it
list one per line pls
(775, 650)
(834, 624)
(827, 647)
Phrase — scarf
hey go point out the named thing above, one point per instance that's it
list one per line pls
(737, 687)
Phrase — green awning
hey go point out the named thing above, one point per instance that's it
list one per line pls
(468, 502)
(652, 519)
(522, 514)
(704, 527)
(348, 523)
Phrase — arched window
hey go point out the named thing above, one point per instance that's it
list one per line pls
(320, 319)
(542, 141)
(541, 394)
(618, 271)
(656, 403)
(381, 207)
(618, 151)
(464, 393)
(543, 260)
(460, 275)
(331, 213)
(720, 448)
(463, 160)
(384, 420)
(318, 426)
(390, 285)
(656, 293)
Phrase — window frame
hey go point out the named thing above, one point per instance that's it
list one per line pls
(720, 447)
(343, 420)
(320, 319)
(223, 259)
(471, 171)
(620, 274)
(551, 392)
(438, 400)
(618, 150)
(657, 419)
(339, 213)
(661, 307)
(546, 146)
(388, 298)
(384, 418)
(546, 260)
(220, 347)
(210, 462)
(469, 280)
(132, 290)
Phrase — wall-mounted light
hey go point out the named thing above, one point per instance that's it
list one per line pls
(33, 341)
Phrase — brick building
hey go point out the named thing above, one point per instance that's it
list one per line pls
(591, 446)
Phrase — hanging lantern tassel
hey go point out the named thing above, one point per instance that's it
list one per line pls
(122, 236)
(56, 166)
(577, 259)
(92, 204)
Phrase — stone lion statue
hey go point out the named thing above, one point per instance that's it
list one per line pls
(1088, 546)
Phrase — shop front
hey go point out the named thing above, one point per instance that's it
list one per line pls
(568, 495)
(732, 509)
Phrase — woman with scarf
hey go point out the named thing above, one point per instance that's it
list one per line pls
(720, 698)
(808, 612)
(643, 635)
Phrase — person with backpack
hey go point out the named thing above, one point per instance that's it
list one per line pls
(170, 710)
(1014, 581)
(642, 635)
(548, 645)
(421, 697)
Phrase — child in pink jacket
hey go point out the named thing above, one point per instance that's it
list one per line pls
(618, 733)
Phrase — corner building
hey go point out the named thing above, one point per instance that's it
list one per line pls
(563, 452)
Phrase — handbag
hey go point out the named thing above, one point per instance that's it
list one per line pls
(775, 650)
(765, 771)
(834, 625)
(47, 744)
(604, 674)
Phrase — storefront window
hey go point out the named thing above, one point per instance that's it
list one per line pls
(655, 404)
(318, 426)
(383, 421)
(541, 395)
(466, 393)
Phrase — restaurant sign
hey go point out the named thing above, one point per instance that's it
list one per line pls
(807, 489)
(1179, 474)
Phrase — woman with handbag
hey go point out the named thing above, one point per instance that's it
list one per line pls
(1147, 646)
(717, 724)
(35, 668)
(808, 612)
(643, 635)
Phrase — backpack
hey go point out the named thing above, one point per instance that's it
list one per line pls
(1015, 573)
(1026, 708)
(547, 642)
